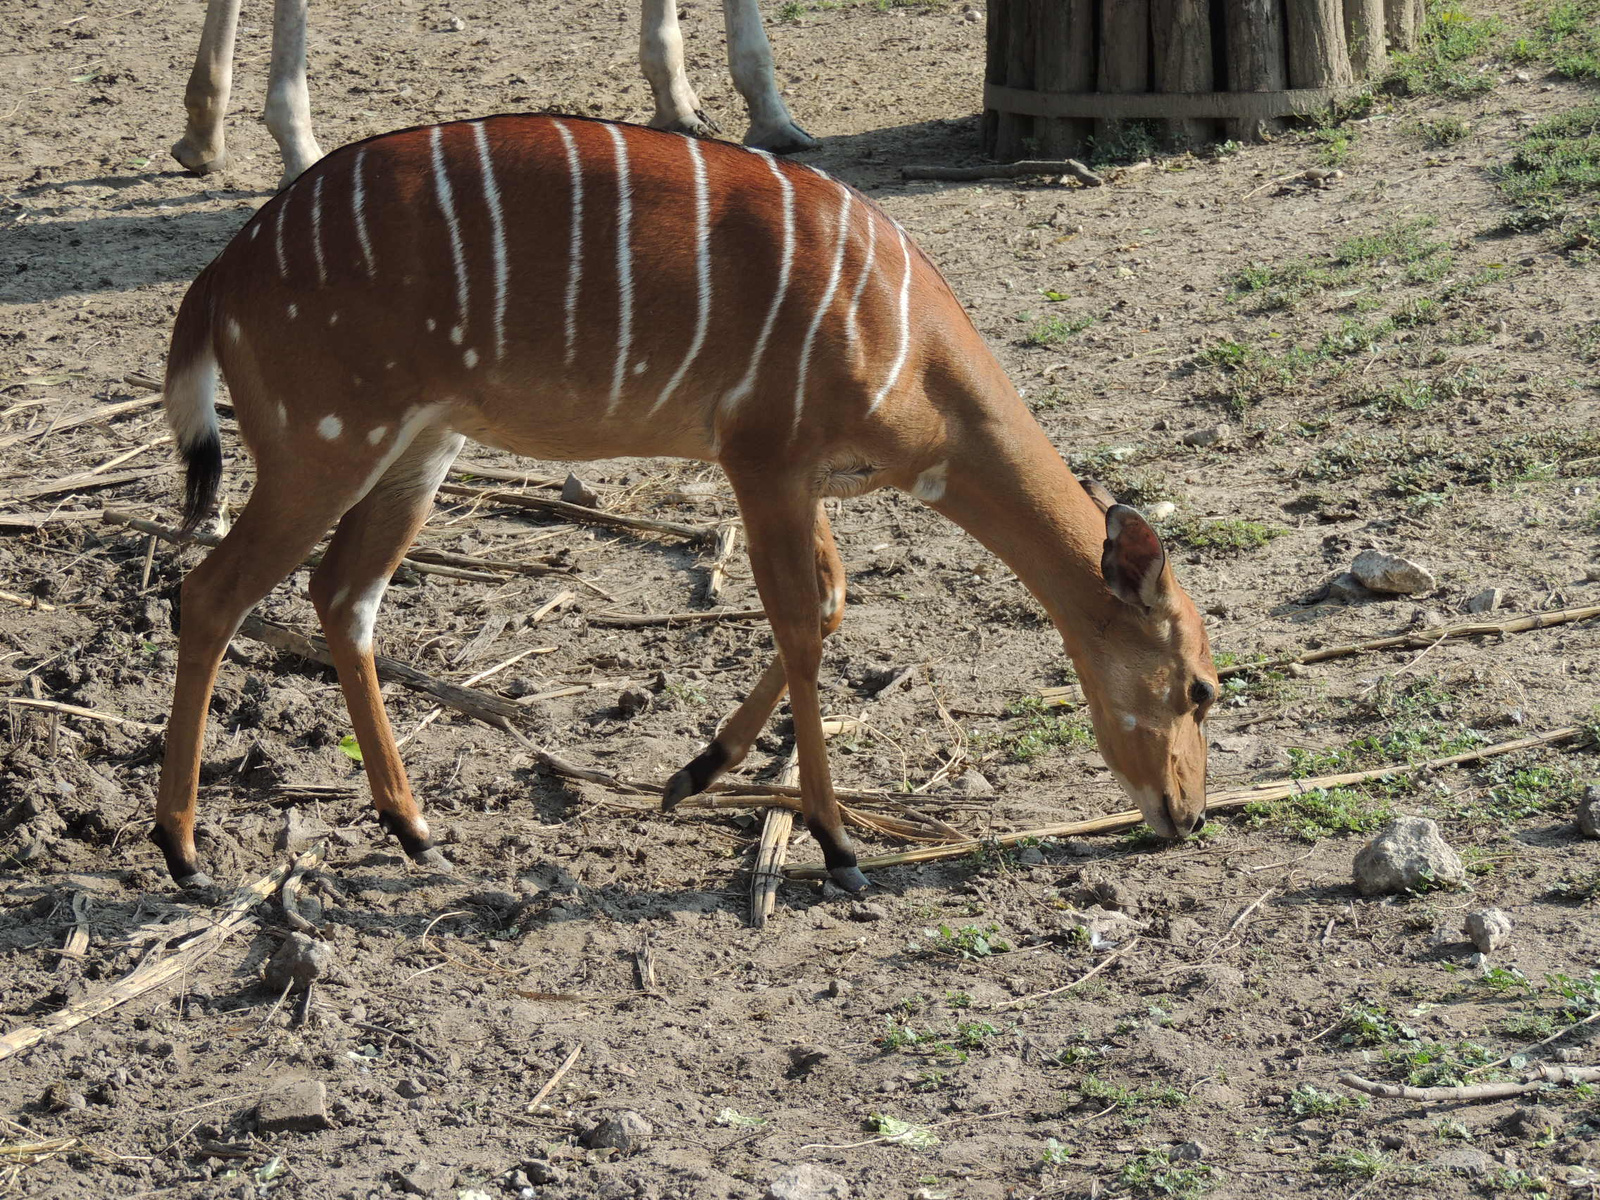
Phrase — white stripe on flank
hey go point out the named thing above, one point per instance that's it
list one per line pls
(575, 239)
(745, 385)
(905, 325)
(702, 263)
(624, 268)
(358, 206)
(823, 306)
(852, 328)
(447, 205)
(491, 196)
(316, 230)
(277, 233)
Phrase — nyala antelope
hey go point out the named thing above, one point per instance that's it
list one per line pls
(203, 147)
(574, 289)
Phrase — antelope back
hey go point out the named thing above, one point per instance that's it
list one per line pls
(568, 288)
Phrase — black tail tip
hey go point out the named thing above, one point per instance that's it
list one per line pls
(204, 462)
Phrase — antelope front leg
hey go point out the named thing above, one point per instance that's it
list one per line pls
(781, 523)
(203, 146)
(661, 55)
(733, 741)
(288, 100)
(750, 62)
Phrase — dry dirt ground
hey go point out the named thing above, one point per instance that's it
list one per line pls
(1435, 397)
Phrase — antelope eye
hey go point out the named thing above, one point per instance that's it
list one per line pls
(1202, 693)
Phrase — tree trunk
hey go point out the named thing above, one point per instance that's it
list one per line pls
(1400, 19)
(1255, 56)
(1364, 33)
(1016, 132)
(1180, 61)
(1065, 63)
(1318, 57)
(1124, 54)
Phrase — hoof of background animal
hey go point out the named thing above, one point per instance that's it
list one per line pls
(433, 858)
(850, 879)
(199, 160)
(787, 138)
(697, 126)
(198, 881)
(695, 778)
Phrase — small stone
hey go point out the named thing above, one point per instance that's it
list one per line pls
(1210, 435)
(542, 1171)
(1591, 573)
(1161, 510)
(426, 1179)
(1347, 589)
(1187, 1152)
(576, 491)
(839, 987)
(971, 16)
(806, 1058)
(807, 1181)
(452, 25)
(973, 783)
(1103, 926)
(1534, 337)
(1030, 856)
(299, 960)
(626, 1132)
(1488, 929)
(411, 1088)
(634, 700)
(868, 912)
(1486, 601)
(298, 1106)
(58, 1097)
(1531, 1121)
(1589, 811)
(1464, 1160)
(1390, 573)
(1521, 77)
(1408, 855)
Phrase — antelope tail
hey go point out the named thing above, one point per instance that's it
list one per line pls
(191, 392)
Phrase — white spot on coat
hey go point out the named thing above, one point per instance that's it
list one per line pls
(929, 486)
(294, 311)
(376, 434)
(233, 330)
(470, 357)
(330, 427)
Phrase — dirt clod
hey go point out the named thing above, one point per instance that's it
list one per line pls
(626, 1132)
(296, 1106)
(807, 1181)
(1589, 812)
(1408, 855)
(1488, 929)
(1532, 1121)
(299, 960)
(1392, 574)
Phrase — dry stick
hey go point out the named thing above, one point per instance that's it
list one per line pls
(27, 601)
(1554, 1037)
(467, 469)
(1532, 1082)
(290, 896)
(107, 413)
(445, 558)
(776, 827)
(1419, 640)
(83, 482)
(153, 972)
(57, 706)
(434, 713)
(566, 1065)
(1218, 802)
(590, 516)
(727, 538)
(1016, 170)
(1084, 978)
(485, 706)
(78, 940)
(617, 620)
(399, 1037)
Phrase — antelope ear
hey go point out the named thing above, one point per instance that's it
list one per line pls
(1134, 563)
(1098, 493)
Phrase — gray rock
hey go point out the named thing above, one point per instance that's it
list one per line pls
(1161, 510)
(576, 491)
(426, 1179)
(1486, 601)
(299, 960)
(1589, 811)
(542, 1170)
(807, 1181)
(411, 1088)
(634, 700)
(973, 783)
(626, 1132)
(1187, 1152)
(1488, 929)
(1464, 1160)
(1211, 435)
(1408, 855)
(298, 1106)
(1591, 573)
(1345, 588)
(1390, 573)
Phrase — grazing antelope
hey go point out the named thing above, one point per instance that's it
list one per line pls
(575, 289)
(203, 149)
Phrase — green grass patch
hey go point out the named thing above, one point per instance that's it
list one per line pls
(1357, 260)
(1152, 1173)
(1441, 65)
(1553, 179)
(1104, 1094)
(1317, 814)
(1308, 1101)
(1036, 729)
(1224, 537)
(1567, 37)
(1053, 330)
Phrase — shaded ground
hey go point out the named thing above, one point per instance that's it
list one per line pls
(1394, 368)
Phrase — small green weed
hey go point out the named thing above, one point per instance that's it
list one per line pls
(1224, 537)
(1308, 1101)
(901, 1133)
(1556, 164)
(1579, 886)
(1053, 330)
(1567, 37)
(1055, 1154)
(1036, 729)
(1439, 1064)
(1353, 1164)
(1369, 1025)
(1445, 131)
(1322, 813)
(1152, 1173)
(1129, 1099)
(968, 942)
(1439, 66)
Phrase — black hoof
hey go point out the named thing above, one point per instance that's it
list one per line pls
(199, 881)
(694, 778)
(414, 846)
(184, 869)
(433, 858)
(850, 879)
